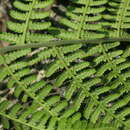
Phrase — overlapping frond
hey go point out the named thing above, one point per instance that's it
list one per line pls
(70, 87)
(117, 16)
(26, 116)
(82, 19)
(27, 17)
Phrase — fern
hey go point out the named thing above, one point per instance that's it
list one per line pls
(66, 84)
(27, 21)
(80, 18)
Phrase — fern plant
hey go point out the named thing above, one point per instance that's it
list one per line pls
(66, 87)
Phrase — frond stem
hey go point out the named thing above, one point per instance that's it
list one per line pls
(62, 42)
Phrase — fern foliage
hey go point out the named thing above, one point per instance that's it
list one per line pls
(82, 19)
(27, 17)
(69, 87)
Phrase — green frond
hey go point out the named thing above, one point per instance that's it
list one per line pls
(15, 55)
(79, 100)
(65, 75)
(118, 13)
(19, 74)
(23, 16)
(111, 55)
(26, 17)
(67, 87)
(108, 66)
(11, 38)
(25, 7)
(93, 3)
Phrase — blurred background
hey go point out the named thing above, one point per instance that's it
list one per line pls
(5, 5)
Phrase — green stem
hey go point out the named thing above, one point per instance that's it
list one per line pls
(61, 42)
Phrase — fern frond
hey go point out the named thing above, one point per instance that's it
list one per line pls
(118, 14)
(80, 21)
(26, 24)
(66, 84)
